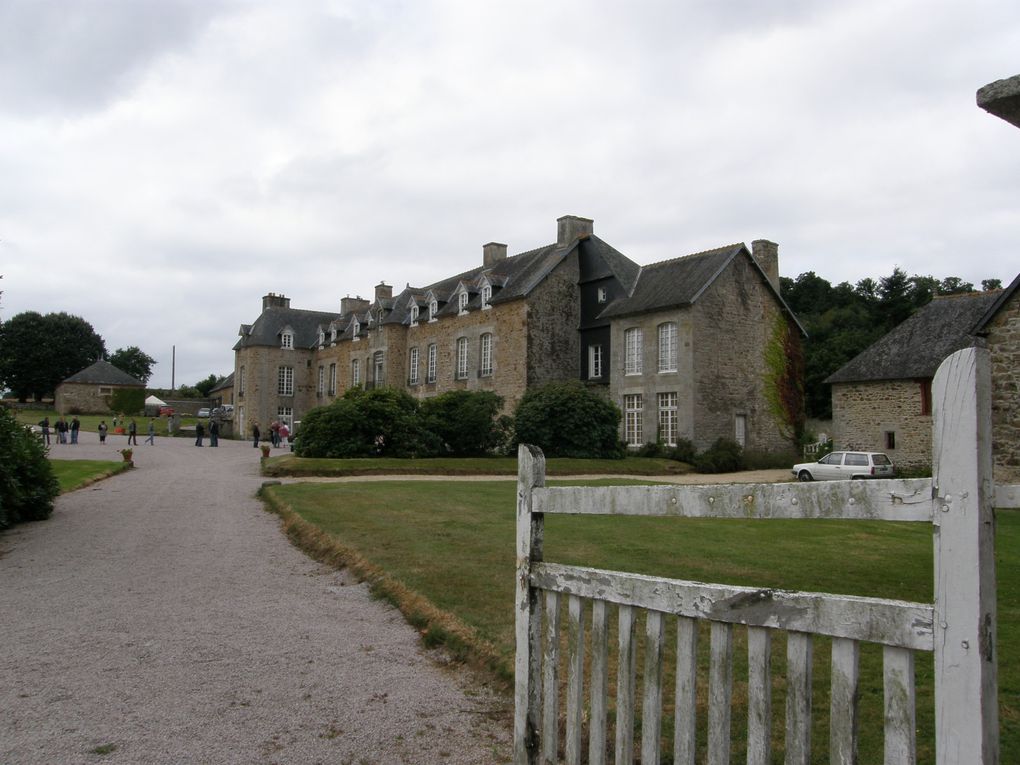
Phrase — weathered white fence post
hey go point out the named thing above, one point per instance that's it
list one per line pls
(966, 704)
(528, 660)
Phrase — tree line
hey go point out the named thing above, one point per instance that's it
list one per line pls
(842, 320)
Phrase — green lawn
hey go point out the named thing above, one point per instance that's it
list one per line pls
(454, 544)
(73, 474)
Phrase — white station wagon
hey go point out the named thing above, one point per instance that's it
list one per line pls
(837, 466)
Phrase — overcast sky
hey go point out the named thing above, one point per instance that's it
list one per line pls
(165, 164)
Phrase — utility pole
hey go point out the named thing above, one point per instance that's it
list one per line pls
(173, 366)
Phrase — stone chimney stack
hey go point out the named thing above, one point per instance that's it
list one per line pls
(571, 227)
(383, 291)
(492, 253)
(272, 300)
(766, 255)
(349, 305)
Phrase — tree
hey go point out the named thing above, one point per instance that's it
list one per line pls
(134, 361)
(38, 352)
(206, 385)
(568, 420)
(991, 284)
(27, 483)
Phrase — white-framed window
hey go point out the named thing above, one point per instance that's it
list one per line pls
(430, 372)
(356, 330)
(462, 302)
(321, 387)
(602, 294)
(285, 414)
(332, 335)
(414, 316)
(355, 372)
(285, 381)
(378, 370)
(668, 418)
(322, 337)
(433, 309)
(287, 339)
(485, 354)
(632, 345)
(595, 361)
(667, 347)
(240, 381)
(412, 366)
(486, 296)
(332, 379)
(462, 358)
(740, 429)
(633, 414)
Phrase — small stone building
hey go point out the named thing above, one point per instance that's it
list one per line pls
(881, 399)
(91, 390)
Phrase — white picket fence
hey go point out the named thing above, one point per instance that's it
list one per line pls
(959, 627)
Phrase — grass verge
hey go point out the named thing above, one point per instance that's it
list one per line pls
(76, 474)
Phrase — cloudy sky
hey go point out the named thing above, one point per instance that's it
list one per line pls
(165, 163)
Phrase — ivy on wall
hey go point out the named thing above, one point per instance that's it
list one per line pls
(784, 379)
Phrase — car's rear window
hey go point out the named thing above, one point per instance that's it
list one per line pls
(880, 459)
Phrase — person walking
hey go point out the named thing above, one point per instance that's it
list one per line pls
(102, 431)
(133, 432)
(214, 433)
(199, 432)
(284, 434)
(152, 432)
(75, 427)
(274, 433)
(45, 425)
(255, 434)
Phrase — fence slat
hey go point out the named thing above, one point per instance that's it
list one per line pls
(550, 679)
(599, 683)
(759, 696)
(890, 500)
(625, 683)
(575, 680)
(720, 694)
(685, 723)
(651, 710)
(900, 715)
(874, 620)
(844, 706)
(798, 698)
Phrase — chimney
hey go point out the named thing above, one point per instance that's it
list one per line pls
(272, 300)
(383, 291)
(349, 305)
(571, 227)
(492, 253)
(766, 255)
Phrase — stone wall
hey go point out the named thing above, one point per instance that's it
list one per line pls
(1003, 341)
(864, 413)
(86, 398)
(554, 315)
(261, 399)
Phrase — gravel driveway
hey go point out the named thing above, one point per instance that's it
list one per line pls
(161, 617)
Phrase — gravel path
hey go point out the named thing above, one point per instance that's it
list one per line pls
(161, 617)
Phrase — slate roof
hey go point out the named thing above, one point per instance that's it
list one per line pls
(228, 382)
(982, 325)
(273, 320)
(915, 348)
(103, 373)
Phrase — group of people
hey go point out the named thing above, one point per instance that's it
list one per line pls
(214, 433)
(279, 431)
(279, 434)
(62, 428)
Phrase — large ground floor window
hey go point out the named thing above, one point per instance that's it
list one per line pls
(667, 418)
(633, 414)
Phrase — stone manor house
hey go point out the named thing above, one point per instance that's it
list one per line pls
(677, 345)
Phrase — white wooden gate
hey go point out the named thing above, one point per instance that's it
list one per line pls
(959, 627)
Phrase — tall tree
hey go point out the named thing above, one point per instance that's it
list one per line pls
(134, 361)
(206, 385)
(38, 352)
(991, 284)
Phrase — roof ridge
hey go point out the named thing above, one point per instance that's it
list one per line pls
(711, 251)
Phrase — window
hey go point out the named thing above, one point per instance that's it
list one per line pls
(594, 361)
(321, 387)
(433, 310)
(890, 439)
(285, 381)
(414, 316)
(356, 330)
(332, 379)
(835, 458)
(322, 337)
(485, 352)
(412, 367)
(105, 391)
(667, 347)
(462, 302)
(240, 381)
(602, 295)
(355, 372)
(287, 339)
(667, 419)
(632, 351)
(925, 396)
(740, 429)
(332, 335)
(633, 410)
(430, 373)
(378, 372)
(486, 296)
(285, 414)
(857, 459)
(462, 358)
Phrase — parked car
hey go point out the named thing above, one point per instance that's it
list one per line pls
(837, 466)
(203, 412)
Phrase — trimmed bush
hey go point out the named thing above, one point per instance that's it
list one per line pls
(568, 420)
(684, 451)
(128, 400)
(724, 456)
(465, 422)
(27, 483)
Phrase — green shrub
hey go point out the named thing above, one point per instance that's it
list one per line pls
(759, 460)
(568, 420)
(128, 400)
(650, 449)
(465, 422)
(724, 456)
(27, 483)
(384, 422)
(684, 451)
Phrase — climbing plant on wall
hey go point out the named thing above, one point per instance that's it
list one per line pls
(784, 379)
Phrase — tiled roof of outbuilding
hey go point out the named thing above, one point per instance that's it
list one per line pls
(103, 373)
(915, 348)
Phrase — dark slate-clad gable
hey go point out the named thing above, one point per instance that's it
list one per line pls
(915, 348)
(103, 373)
(273, 320)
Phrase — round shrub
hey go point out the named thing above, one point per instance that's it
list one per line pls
(465, 422)
(27, 483)
(684, 451)
(568, 420)
(724, 456)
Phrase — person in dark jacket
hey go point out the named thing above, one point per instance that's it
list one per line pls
(255, 434)
(214, 433)
(199, 432)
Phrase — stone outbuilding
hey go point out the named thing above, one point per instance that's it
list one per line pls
(91, 390)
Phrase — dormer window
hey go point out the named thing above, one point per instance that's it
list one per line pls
(356, 329)
(332, 335)
(414, 316)
(322, 337)
(462, 302)
(486, 296)
(602, 294)
(287, 339)
(370, 319)
(433, 309)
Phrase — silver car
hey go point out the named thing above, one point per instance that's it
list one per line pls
(837, 466)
